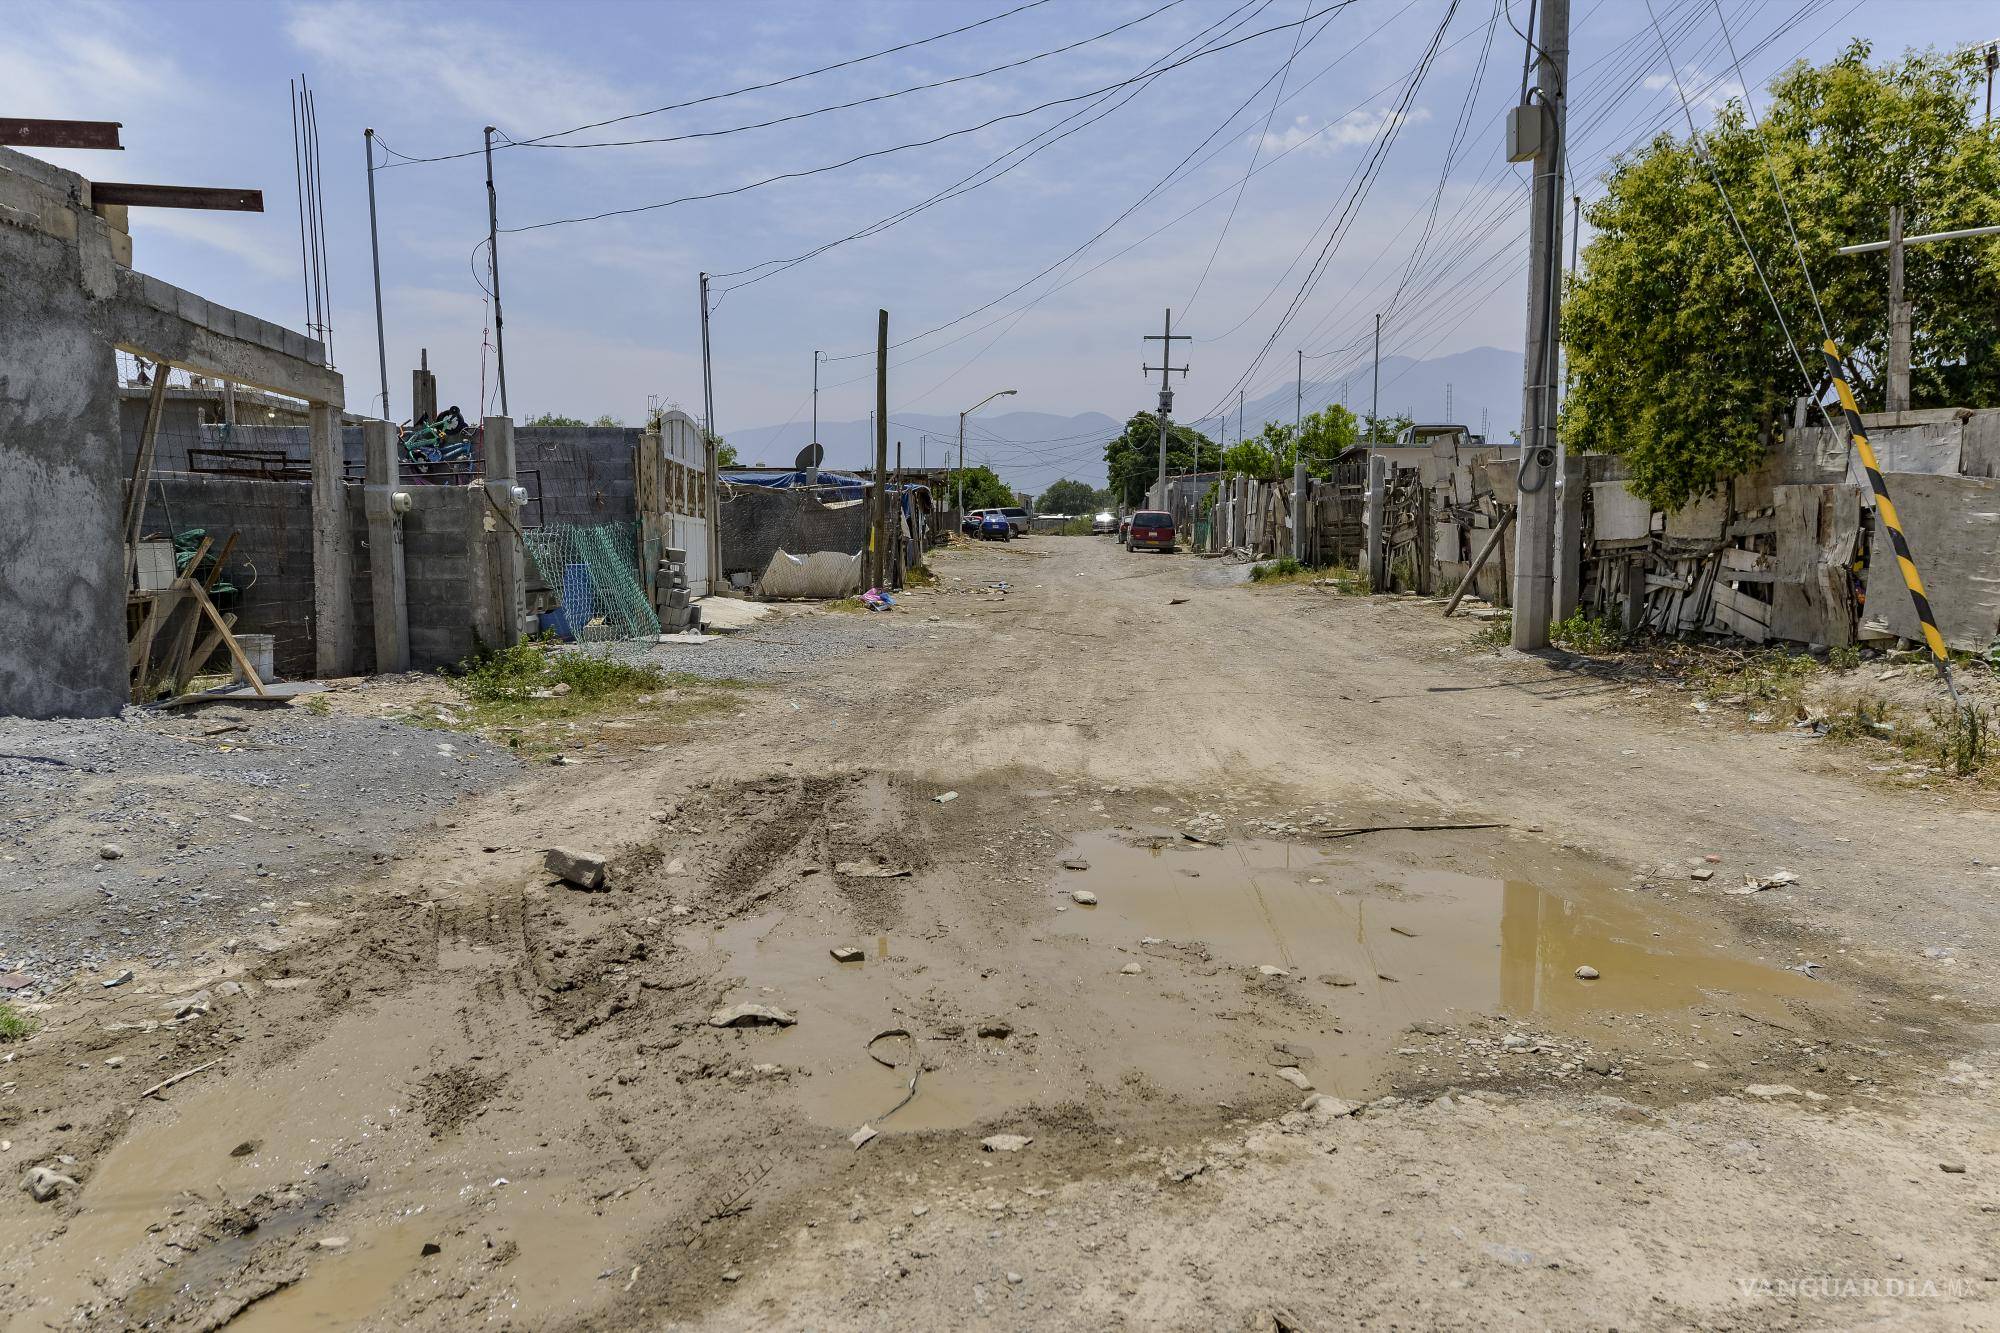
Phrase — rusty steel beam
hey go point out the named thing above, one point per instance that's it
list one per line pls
(176, 196)
(16, 132)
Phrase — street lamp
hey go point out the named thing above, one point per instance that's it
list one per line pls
(961, 439)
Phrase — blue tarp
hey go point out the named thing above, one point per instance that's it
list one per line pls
(844, 485)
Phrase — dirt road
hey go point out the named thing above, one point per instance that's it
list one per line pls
(1188, 1048)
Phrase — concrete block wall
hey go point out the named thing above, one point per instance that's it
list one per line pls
(447, 574)
(273, 559)
(757, 522)
(586, 472)
(447, 561)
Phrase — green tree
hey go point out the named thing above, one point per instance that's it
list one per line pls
(554, 419)
(983, 488)
(1383, 430)
(1133, 458)
(1270, 456)
(1068, 497)
(1676, 358)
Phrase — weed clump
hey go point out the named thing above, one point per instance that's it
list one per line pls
(508, 675)
(13, 1027)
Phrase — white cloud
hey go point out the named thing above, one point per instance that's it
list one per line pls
(1354, 128)
(245, 240)
(1703, 91)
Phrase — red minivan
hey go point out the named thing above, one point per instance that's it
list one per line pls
(1151, 531)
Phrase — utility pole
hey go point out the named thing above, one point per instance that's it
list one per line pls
(896, 546)
(493, 269)
(1447, 402)
(1538, 123)
(375, 250)
(708, 446)
(1897, 394)
(1239, 426)
(1166, 339)
(1575, 230)
(812, 478)
(1299, 399)
(879, 530)
(1375, 396)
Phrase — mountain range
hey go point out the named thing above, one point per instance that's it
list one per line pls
(1032, 449)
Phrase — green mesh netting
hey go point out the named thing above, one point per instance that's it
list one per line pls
(594, 573)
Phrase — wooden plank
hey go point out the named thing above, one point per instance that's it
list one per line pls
(142, 470)
(22, 132)
(250, 675)
(203, 651)
(176, 196)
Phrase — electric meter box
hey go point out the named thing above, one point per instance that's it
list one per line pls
(1527, 131)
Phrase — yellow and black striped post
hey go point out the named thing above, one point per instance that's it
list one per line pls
(1885, 509)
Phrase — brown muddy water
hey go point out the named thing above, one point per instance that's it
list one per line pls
(1375, 934)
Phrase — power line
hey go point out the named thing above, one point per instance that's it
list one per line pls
(1256, 150)
(1159, 185)
(737, 92)
(859, 101)
(927, 142)
(965, 184)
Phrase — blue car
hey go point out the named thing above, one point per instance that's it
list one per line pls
(994, 527)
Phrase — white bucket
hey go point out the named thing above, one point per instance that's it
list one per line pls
(262, 651)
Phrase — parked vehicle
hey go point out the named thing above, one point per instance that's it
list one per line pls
(1104, 524)
(994, 527)
(1151, 531)
(1017, 519)
(969, 525)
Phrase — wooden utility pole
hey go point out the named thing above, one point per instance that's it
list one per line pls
(1166, 339)
(878, 528)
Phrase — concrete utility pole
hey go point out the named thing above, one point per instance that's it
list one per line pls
(1897, 392)
(1898, 396)
(493, 269)
(1538, 124)
(375, 251)
(878, 530)
(1299, 399)
(1375, 397)
(710, 468)
(1166, 339)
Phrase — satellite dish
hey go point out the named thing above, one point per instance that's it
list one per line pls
(810, 457)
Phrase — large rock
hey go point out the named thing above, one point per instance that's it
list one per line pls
(582, 870)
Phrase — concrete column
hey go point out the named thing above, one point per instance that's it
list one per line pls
(333, 553)
(504, 507)
(385, 507)
(1299, 511)
(1569, 484)
(1378, 547)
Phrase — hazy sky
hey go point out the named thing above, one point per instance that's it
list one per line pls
(602, 314)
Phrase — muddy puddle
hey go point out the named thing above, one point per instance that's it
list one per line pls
(1383, 943)
(841, 1079)
(1152, 997)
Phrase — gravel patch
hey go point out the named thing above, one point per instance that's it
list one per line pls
(778, 649)
(119, 836)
